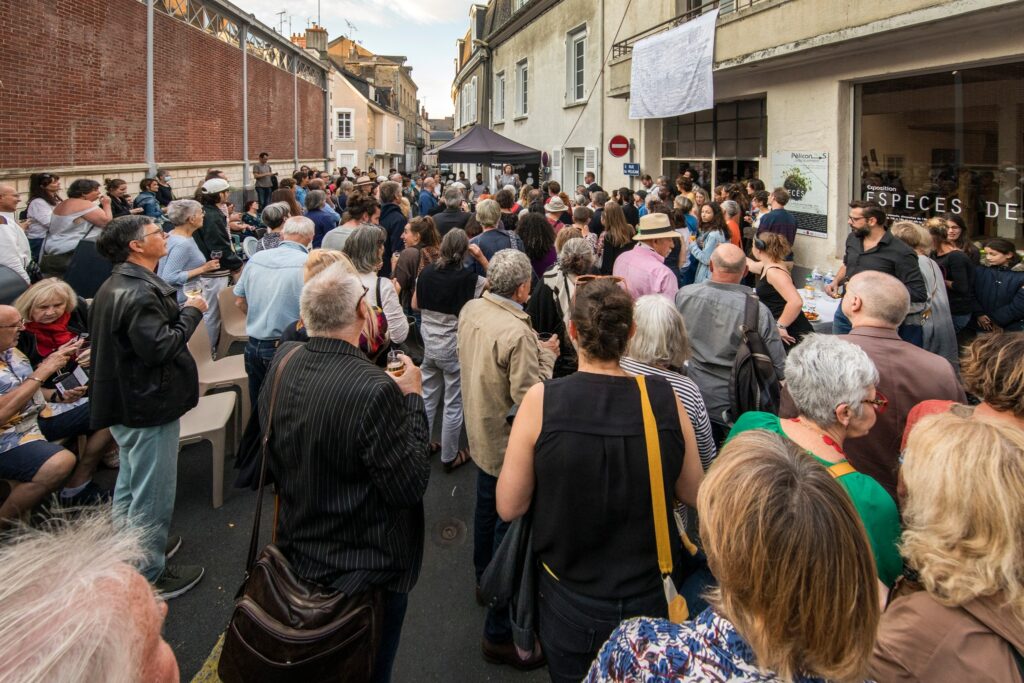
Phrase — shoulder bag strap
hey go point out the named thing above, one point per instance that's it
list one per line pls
(255, 538)
(677, 611)
(377, 293)
(841, 469)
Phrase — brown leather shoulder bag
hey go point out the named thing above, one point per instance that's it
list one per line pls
(285, 628)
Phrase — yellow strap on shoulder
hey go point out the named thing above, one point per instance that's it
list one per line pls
(841, 468)
(657, 479)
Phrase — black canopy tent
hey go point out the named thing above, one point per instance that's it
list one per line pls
(480, 145)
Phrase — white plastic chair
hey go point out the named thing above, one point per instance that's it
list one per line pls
(210, 421)
(226, 373)
(232, 322)
(249, 245)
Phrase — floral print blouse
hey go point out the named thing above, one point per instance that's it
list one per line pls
(705, 650)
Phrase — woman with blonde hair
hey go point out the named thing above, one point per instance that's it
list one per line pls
(959, 614)
(796, 597)
(937, 325)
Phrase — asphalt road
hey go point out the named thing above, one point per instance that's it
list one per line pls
(442, 631)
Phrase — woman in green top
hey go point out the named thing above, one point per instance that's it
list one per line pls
(832, 383)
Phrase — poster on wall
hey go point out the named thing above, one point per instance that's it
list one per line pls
(805, 177)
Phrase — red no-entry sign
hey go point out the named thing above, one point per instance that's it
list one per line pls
(618, 146)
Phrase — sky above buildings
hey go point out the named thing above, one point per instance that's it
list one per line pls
(425, 31)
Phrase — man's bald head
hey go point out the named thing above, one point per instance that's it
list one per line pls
(728, 263)
(9, 314)
(878, 298)
(9, 329)
(8, 197)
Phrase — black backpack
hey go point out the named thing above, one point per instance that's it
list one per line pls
(753, 383)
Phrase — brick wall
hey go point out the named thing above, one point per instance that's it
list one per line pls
(74, 94)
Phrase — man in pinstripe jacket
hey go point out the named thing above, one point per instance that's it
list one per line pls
(348, 451)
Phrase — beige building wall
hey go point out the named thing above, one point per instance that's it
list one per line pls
(809, 85)
(552, 112)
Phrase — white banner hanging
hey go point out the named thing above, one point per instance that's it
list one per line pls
(663, 83)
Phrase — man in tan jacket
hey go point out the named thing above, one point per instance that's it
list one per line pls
(500, 358)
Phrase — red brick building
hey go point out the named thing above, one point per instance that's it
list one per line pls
(74, 92)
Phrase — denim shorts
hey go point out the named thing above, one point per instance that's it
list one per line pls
(21, 463)
(66, 425)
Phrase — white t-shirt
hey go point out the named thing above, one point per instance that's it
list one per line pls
(14, 248)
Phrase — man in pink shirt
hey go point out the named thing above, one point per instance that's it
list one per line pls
(643, 268)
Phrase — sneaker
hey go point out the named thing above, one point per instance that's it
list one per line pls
(92, 494)
(177, 580)
(173, 543)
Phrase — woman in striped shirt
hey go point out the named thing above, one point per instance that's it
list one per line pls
(660, 347)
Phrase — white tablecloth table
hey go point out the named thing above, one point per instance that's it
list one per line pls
(825, 306)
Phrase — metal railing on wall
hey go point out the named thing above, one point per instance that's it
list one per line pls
(625, 47)
(212, 19)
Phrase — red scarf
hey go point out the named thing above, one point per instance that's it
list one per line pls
(51, 336)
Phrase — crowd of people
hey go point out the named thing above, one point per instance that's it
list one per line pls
(711, 489)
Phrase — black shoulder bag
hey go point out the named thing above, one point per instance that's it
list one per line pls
(754, 384)
(285, 628)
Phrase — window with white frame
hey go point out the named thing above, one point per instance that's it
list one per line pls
(522, 88)
(343, 124)
(499, 97)
(575, 62)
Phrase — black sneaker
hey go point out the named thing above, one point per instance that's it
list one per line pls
(173, 543)
(92, 494)
(177, 580)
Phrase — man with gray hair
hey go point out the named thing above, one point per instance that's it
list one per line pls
(361, 527)
(453, 215)
(876, 304)
(268, 293)
(495, 326)
(112, 632)
(714, 311)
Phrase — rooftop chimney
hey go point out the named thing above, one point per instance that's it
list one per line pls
(316, 39)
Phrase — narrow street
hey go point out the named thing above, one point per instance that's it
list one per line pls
(441, 636)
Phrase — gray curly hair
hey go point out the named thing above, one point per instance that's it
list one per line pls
(577, 257)
(507, 272)
(181, 210)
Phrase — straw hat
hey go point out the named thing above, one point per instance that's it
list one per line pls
(555, 205)
(654, 226)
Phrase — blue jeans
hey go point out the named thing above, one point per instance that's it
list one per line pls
(488, 530)
(34, 245)
(960, 322)
(573, 627)
(395, 605)
(913, 334)
(841, 324)
(263, 196)
(146, 483)
(258, 354)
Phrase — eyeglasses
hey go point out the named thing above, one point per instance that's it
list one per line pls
(854, 219)
(879, 402)
(151, 232)
(366, 290)
(20, 325)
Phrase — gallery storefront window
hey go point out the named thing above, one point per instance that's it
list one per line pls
(947, 142)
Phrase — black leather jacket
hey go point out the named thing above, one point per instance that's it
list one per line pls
(142, 373)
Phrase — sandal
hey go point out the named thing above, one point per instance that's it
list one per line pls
(461, 458)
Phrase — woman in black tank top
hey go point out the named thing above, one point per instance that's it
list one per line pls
(577, 455)
(775, 287)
